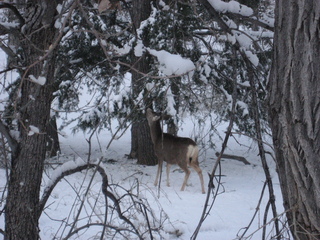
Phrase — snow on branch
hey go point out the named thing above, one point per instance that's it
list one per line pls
(232, 7)
(33, 130)
(40, 80)
(78, 165)
(64, 170)
(173, 64)
(15, 11)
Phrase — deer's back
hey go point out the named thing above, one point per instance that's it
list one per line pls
(172, 149)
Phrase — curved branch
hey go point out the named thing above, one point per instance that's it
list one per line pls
(15, 11)
(48, 190)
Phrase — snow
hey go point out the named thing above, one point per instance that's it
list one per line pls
(169, 64)
(173, 64)
(39, 80)
(232, 7)
(170, 103)
(33, 130)
(179, 211)
(252, 57)
(63, 168)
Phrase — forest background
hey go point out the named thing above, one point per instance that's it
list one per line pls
(209, 60)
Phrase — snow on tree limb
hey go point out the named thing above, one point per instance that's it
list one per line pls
(62, 171)
(232, 7)
(173, 64)
(33, 130)
(39, 80)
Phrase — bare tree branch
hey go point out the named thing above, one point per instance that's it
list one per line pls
(11, 141)
(48, 190)
(7, 50)
(206, 208)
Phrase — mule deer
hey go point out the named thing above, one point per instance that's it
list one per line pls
(173, 150)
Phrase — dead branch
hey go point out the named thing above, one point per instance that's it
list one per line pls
(48, 190)
(13, 144)
(234, 157)
(255, 213)
(206, 208)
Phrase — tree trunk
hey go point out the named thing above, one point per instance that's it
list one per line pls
(33, 109)
(141, 144)
(143, 148)
(294, 101)
(53, 146)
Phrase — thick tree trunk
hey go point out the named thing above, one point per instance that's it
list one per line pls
(141, 144)
(295, 114)
(53, 146)
(143, 148)
(33, 110)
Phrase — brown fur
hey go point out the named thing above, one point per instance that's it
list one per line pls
(173, 150)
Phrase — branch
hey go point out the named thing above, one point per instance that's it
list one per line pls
(15, 11)
(215, 14)
(77, 230)
(234, 157)
(7, 51)
(257, 125)
(254, 21)
(206, 209)
(255, 213)
(48, 190)
(13, 144)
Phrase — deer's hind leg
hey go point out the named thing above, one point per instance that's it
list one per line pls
(186, 177)
(196, 167)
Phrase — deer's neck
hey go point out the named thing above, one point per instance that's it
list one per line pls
(156, 132)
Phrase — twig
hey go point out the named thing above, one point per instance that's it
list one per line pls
(260, 142)
(234, 157)
(270, 221)
(255, 213)
(217, 163)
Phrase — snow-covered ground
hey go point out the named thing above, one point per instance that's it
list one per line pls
(179, 212)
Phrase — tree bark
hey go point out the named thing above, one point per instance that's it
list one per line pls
(141, 144)
(294, 101)
(53, 146)
(33, 109)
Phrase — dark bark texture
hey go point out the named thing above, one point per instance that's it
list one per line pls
(141, 144)
(32, 109)
(294, 102)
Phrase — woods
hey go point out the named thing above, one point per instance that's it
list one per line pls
(252, 64)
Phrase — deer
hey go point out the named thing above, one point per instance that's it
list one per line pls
(173, 150)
